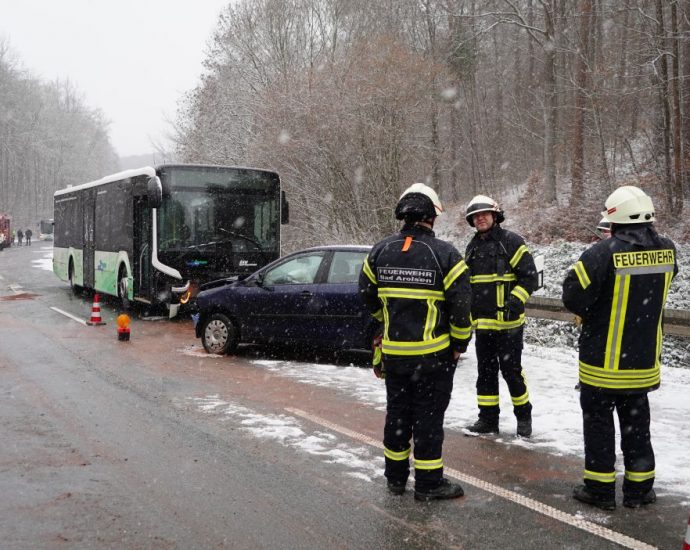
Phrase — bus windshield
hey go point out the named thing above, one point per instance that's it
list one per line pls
(204, 207)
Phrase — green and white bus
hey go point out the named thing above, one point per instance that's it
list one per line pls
(154, 235)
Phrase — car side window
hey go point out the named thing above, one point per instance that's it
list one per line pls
(297, 271)
(345, 266)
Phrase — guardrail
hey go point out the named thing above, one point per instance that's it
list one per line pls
(676, 321)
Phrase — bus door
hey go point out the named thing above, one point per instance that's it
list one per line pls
(89, 236)
(142, 248)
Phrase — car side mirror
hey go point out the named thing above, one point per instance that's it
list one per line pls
(155, 192)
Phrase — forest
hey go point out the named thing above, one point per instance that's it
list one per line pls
(49, 138)
(546, 104)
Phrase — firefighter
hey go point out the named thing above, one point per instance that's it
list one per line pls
(619, 287)
(419, 287)
(604, 228)
(502, 276)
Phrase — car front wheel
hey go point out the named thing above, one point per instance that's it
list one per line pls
(219, 335)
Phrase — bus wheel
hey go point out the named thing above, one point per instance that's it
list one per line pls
(219, 335)
(122, 291)
(75, 289)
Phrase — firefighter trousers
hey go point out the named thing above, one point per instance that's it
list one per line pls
(500, 350)
(415, 409)
(600, 441)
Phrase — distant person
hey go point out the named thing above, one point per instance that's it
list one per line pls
(14, 236)
(419, 286)
(20, 236)
(618, 287)
(28, 235)
(503, 276)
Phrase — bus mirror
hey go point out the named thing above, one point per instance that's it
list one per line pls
(155, 192)
(284, 209)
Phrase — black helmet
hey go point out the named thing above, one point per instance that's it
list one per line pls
(418, 202)
(482, 203)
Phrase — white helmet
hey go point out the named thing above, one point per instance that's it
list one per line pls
(418, 200)
(629, 204)
(482, 203)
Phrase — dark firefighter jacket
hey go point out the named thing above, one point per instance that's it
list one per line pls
(419, 287)
(503, 276)
(618, 287)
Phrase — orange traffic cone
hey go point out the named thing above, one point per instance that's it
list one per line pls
(686, 542)
(96, 312)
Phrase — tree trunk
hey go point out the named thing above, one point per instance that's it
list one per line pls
(678, 172)
(550, 105)
(581, 93)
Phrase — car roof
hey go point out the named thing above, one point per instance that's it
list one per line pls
(352, 247)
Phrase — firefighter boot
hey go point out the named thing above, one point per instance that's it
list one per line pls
(483, 426)
(396, 487)
(445, 490)
(635, 501)
(584, 494)
(524, 427)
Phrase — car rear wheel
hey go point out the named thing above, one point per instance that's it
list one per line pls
(219, 335)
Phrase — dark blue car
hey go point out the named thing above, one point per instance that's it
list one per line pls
(307, 299)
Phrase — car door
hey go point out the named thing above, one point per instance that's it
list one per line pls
(281, 304)
(344, 319)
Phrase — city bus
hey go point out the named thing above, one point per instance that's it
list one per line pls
(46, 230)
(154, 235)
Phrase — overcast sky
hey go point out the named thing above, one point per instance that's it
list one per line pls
(133, 59)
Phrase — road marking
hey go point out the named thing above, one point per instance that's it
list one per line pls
(77, 319)
(532, 504)
(15, 288)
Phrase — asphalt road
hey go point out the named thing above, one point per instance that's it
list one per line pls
(107, 444)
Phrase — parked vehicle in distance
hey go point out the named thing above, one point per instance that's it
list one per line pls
(5, 232)
(46, 229)
(308, 299)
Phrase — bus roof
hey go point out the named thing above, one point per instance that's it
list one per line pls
(145, 171)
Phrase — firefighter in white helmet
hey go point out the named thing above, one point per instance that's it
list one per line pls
(502, 276)
(419, 286)
(618, 287)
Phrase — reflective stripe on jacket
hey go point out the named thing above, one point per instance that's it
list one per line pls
(503, 276)
(419, 286)
(619, 287)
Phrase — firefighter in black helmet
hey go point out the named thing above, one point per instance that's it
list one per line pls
(418, 286)
(618, 287)
(503, 276)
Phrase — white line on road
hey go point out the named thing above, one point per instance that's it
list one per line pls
(77, 319)
(535, 505)
(17, 289)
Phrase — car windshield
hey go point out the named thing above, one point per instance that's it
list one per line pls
(236, 208)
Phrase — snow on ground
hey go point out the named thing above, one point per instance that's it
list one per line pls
(46, 261)
(557, 417)
(359, 462)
